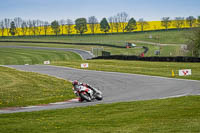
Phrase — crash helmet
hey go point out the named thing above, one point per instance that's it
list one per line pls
(75, 82)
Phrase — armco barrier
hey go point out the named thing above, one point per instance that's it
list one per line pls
(159, 59)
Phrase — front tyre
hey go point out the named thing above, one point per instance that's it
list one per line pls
(99, 97)
(85, 96)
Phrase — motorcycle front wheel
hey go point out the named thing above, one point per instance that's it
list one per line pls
(99, 97)
(85, 96)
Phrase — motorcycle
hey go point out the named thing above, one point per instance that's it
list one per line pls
(88, 94)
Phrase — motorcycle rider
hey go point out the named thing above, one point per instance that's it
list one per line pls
(77, 85)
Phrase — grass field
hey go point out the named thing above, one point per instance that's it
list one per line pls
(169, 50)
(177, 115)
(113, 51)
(163, 69)
(17, 56)
(164, 37)
(167, 37)
(19, 88)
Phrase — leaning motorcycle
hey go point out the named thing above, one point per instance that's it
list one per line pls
(88, 94)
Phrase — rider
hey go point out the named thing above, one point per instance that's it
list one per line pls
(77, 85)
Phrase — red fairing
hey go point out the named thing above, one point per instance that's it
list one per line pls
(83, 92)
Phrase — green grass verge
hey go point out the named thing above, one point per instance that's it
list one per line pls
(19, 88)
(138, 67)
(177, 115)
(168, 37)
(18, 56)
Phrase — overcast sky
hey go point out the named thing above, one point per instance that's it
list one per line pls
(63, 9)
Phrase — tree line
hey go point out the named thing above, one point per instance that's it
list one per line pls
(180, 22)
(119, 22)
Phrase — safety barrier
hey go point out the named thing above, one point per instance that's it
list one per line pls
(159, 59)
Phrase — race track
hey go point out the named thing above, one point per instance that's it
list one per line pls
(116, 87)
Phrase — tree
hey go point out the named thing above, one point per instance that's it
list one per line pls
(93, 24)
(40, 26)
(123, 19)
(7, 25)
(12, 28)
(178, 22)
(35, 27)
(46, 26)
(30, 26)
(18, 23)
(132, 25)
(81, 25)
(55, 26)
(69, 26)
(198, 21)
(2, 28)
(24, 28)
(190, 21)
(194, 42)
(116, 23)
(104, 26)
(166, 22)
(111, 21)
(142, 24)
(62, 24)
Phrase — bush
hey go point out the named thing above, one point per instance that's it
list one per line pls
(194, 42)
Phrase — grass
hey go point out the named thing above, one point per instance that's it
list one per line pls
(163, 69)
(165, 50)
(159, 116)
(19, 88)
(83, 47)
(18, 56)
(167, 37)
(177, 115)
(175, 37)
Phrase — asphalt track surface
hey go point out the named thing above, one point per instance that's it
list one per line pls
(84, 54)
(116, 87)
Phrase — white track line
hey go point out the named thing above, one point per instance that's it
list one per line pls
(181, 95)
(59, 103)
(29, 107)
(36, 106)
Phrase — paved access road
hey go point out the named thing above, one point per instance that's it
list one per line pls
(116, 87)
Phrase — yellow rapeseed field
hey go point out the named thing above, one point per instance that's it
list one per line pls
(152, 25)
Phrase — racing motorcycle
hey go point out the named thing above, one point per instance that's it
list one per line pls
(88, 94)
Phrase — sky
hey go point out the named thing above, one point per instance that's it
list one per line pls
(49, 10)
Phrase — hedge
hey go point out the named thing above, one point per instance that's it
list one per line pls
(154, 58)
